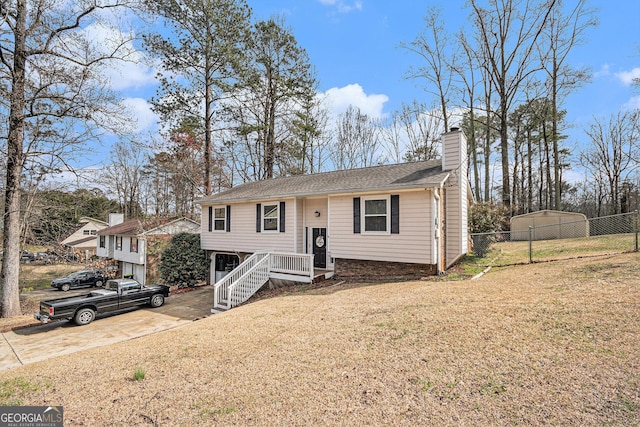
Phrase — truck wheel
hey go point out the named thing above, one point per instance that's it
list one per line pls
(84, 316)
(157, 300)
(65, 287)
(98, 283)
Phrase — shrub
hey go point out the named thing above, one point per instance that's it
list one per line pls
(486, 218)
(183, 262)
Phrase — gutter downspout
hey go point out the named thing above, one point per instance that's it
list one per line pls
(436, 195)
(144, 270)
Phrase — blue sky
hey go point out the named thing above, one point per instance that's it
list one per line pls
(355, 48)
(356, 42)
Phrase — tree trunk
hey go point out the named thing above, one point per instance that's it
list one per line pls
(207, 131)
(554, 137)
(11, 239)
(529, 172)
(474, 155)
(504, 148)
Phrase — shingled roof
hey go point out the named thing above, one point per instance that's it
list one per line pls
(135, 227)
(388, 177)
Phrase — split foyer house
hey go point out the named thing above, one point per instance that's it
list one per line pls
(408, 217)
(83, 237)
(134, 243)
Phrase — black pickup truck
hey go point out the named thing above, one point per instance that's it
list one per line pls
(118, 294)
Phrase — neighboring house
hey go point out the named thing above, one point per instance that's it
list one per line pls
(135, 243)
(406, 218)
(83, 237)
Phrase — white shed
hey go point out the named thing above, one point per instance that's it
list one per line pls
(549, 224)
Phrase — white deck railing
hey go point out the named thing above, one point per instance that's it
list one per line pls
(245, 280)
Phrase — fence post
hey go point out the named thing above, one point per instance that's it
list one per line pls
(530, 244)
(635, 228)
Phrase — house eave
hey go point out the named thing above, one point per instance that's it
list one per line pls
(341, 192)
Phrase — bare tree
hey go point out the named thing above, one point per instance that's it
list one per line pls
(561, 34)
(125, 175)
(413, 133)
(434, 47)
(357, 141)
(52, 71)
(466, 70)
(614, 152)
(509, 31)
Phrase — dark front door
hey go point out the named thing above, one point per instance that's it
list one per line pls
(319, 247)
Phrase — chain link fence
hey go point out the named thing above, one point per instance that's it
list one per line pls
(564, 240)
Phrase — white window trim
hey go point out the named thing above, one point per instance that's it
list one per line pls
(363, 223)
(262, 217)
(214, 219)
(137, 250)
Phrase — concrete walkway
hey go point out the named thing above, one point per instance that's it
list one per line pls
(34, 343)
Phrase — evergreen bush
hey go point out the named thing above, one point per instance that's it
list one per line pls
(183, 262)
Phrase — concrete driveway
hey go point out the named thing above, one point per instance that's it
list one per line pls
(34, 343)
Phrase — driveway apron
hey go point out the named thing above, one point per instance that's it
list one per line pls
(35, 343)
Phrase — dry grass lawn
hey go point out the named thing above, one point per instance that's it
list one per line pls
(546, 344)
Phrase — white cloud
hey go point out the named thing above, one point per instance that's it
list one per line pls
(604, 71)
(343, 6)
(126, 75)
(140, 112)
(128, 72)
(632, 104)
(339, 99)
(574, 176)
(627, 77)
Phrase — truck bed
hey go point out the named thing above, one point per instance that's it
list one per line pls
(79, 298)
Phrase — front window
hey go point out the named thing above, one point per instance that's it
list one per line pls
(133, 247)
(118, 243)
(219, 219)
(270, 217)
(376, 215)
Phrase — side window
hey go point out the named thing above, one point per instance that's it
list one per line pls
(133, 245)
(270, 216)
(219, 219)
(102, 241)
(376, 215)
(118, 243)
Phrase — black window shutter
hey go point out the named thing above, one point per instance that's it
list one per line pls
(258, 217)
(228, 218)
(210, 218)
(282, 215)
(356, 214)
(395, 214)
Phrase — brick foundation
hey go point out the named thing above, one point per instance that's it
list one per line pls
(362, 270)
